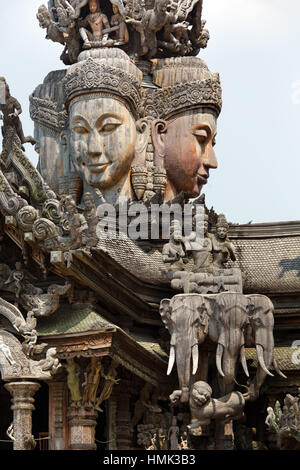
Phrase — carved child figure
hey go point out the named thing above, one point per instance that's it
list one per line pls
(96, 20)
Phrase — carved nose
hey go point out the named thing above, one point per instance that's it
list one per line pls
(210, 159)
(95, 145)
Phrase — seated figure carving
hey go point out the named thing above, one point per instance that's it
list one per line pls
(97, 22)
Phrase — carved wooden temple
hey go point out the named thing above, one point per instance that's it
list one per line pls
(92, 324)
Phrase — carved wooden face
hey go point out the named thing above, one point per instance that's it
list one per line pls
(188, 151)
(102, 140)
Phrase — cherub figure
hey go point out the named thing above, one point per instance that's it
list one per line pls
(97, 21)
(11, 110)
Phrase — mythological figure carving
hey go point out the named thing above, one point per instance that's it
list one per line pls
(11, 109)
(43, 305)
(73, 381)
(110, 381)
(4, 349)
(98, 24)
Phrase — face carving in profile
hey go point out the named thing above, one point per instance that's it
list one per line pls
(102, 140)
(186, 146)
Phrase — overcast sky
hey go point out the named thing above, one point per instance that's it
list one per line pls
(254, 46)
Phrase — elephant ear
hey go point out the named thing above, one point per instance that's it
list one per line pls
(165, 313)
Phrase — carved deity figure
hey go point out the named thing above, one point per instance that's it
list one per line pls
(223, 249)
(90, 214)
(173, 252)
(91, 383)
(11, 109)
(201, 248)
(77, 224)
(151, 22)
(173, 435)
(67, 36)
(97, 22)
(121, 34)
(73, 381)
(110, 381)
(189, 102)
(104, 136)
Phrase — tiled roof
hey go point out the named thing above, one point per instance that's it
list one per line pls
(79, 319)
(72, 319)
(282, 354)
(269, 265)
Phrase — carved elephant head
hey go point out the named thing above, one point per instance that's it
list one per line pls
(260, 334)
(227, 329)
(187, 321)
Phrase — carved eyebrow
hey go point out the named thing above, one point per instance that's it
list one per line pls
(105, 116)
(77, 119)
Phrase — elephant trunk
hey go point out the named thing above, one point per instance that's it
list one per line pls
(230, 346)
(184, 354)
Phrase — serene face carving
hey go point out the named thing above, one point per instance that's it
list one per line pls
(93, 6)
(102, 140)
(186, 144)
(222, 232)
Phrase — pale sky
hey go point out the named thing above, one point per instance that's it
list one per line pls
(254, 46)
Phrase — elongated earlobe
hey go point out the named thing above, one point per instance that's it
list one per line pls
(159, 129)
(142, 139)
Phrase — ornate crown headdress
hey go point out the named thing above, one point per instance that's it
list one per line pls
(185, 83)
(107, 71)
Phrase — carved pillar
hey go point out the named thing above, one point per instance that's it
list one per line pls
(82, 423)
(123, 416)
(57, 415)
(22, 406)
(112, 416)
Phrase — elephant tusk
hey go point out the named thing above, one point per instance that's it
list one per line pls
(260, 356)
(171, 360)
(195, 357)
(278, 370)
(243, 360)
(219, 356)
